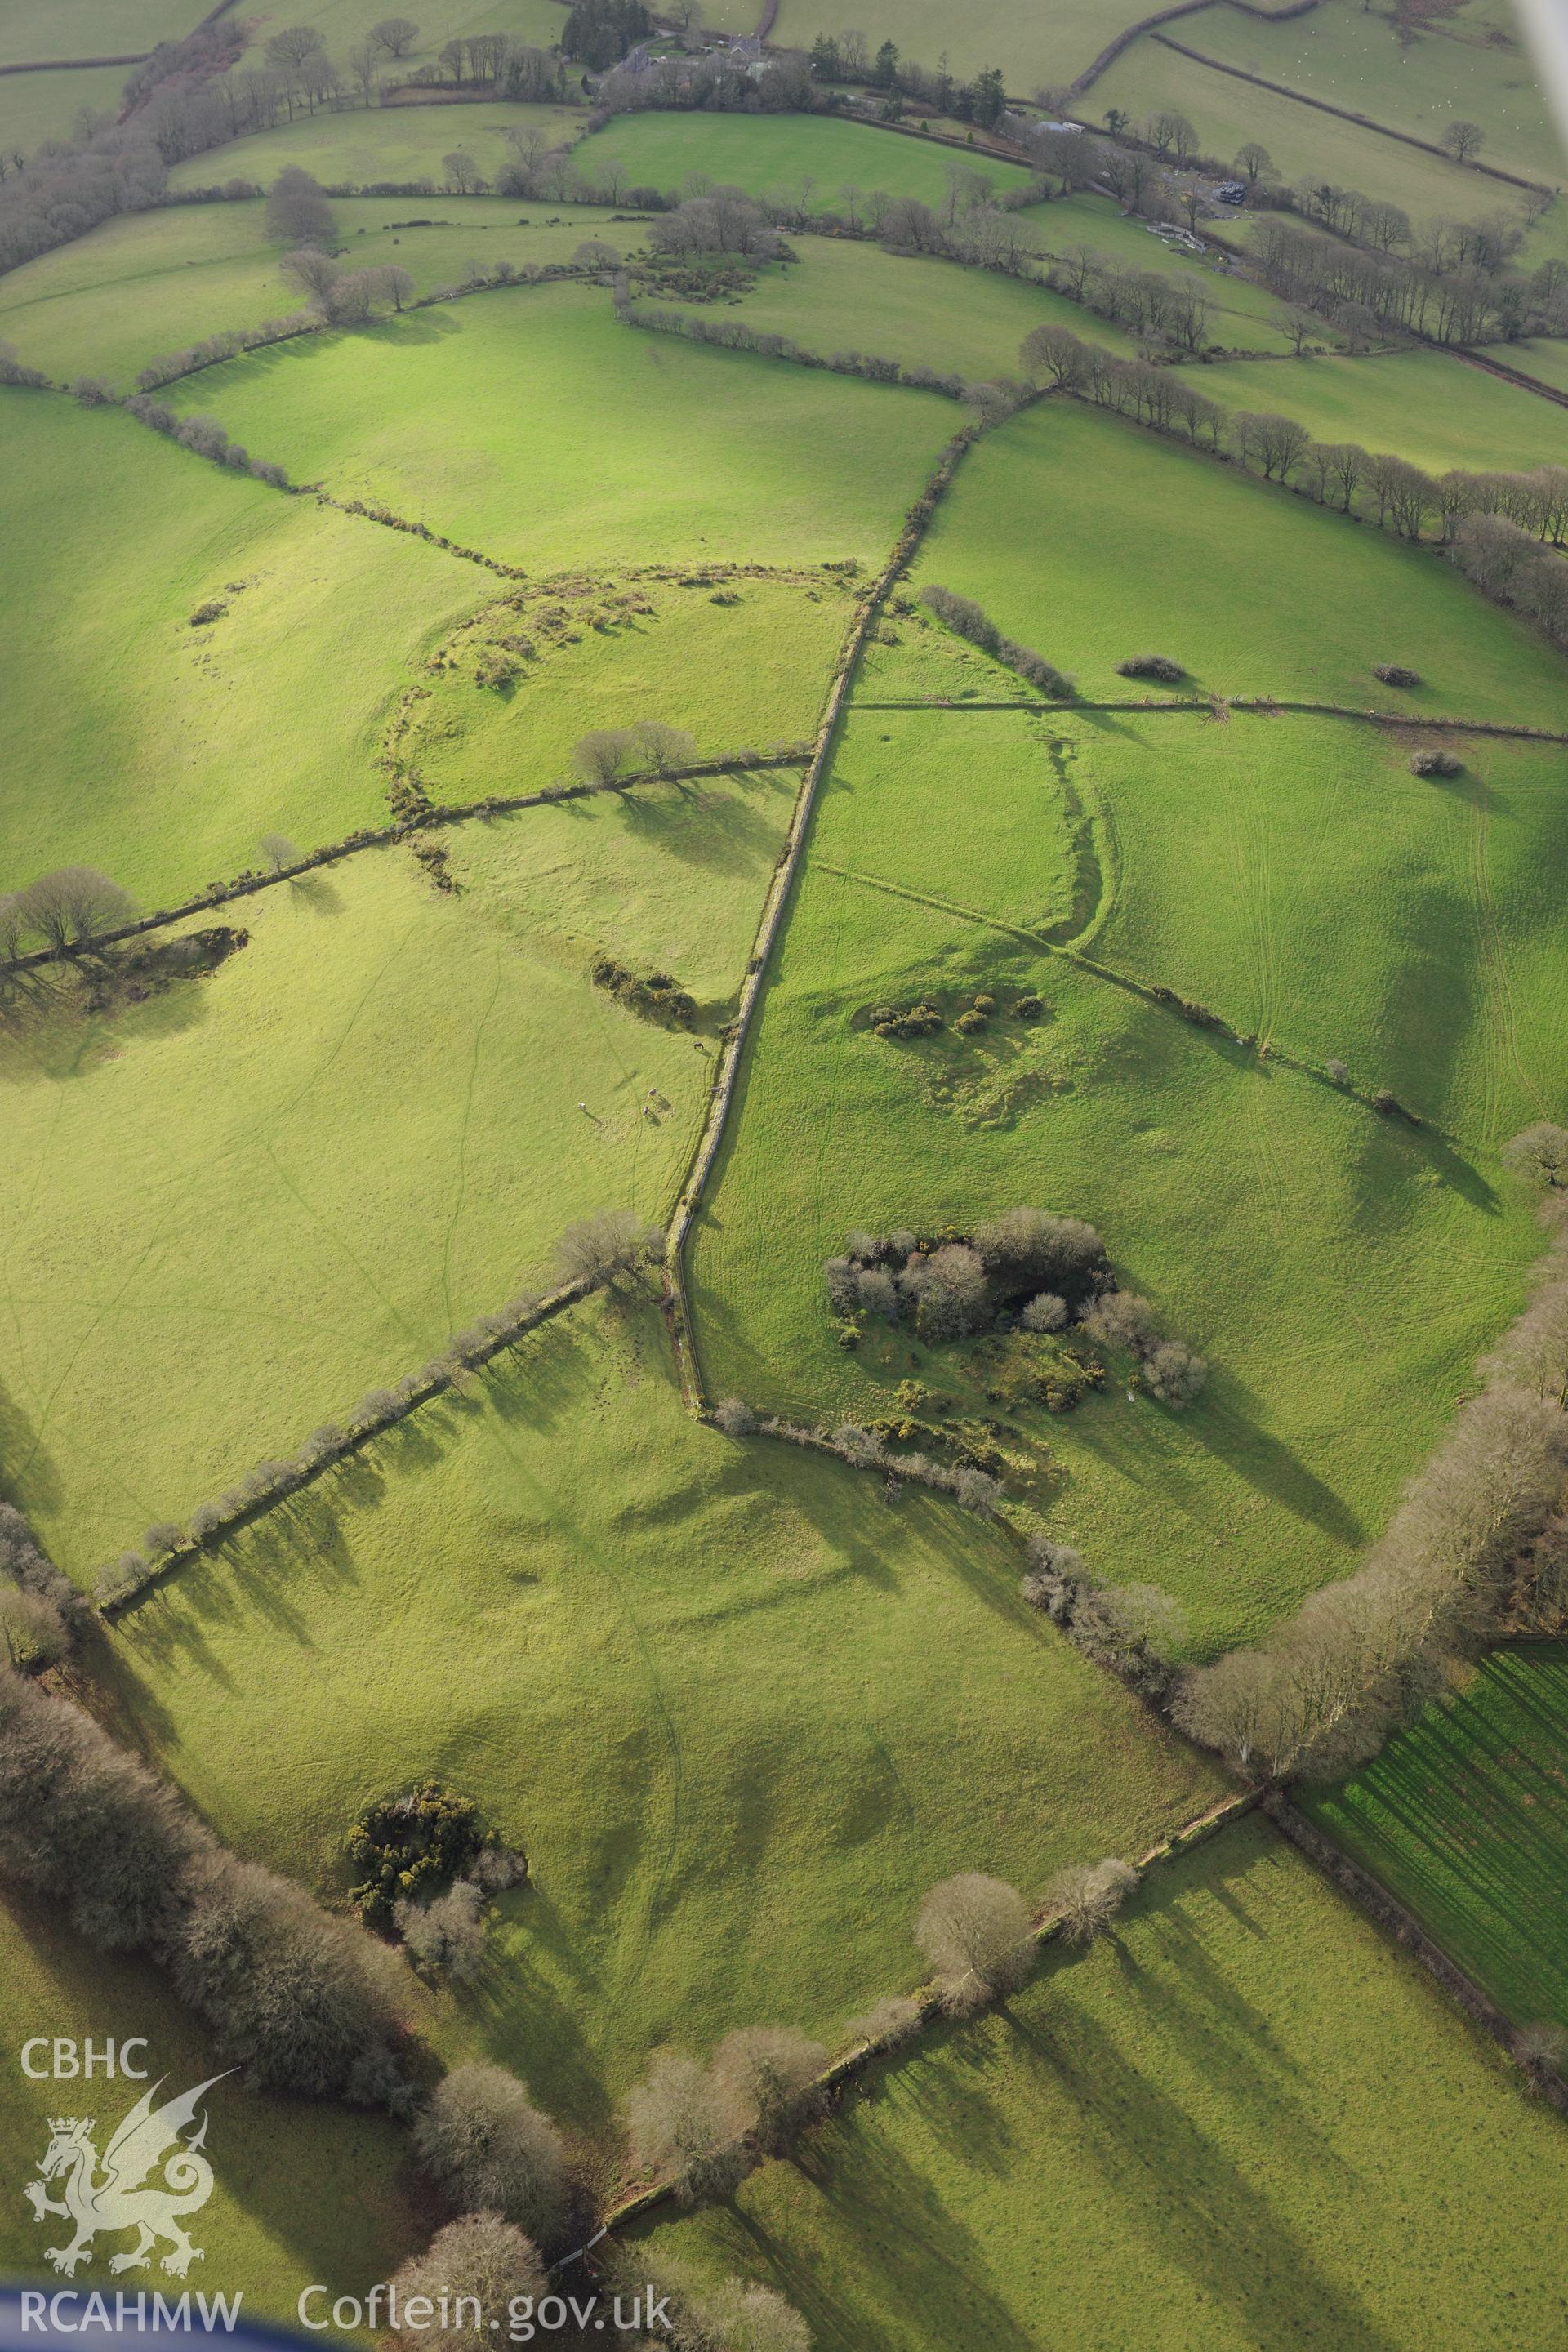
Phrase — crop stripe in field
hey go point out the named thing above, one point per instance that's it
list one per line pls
(1371, 1896)
(376, 836)
(676, 1298)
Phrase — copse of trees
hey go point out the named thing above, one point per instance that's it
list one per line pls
(968, 619)
(598, 33)
(1132, 1629)
(289, 1992)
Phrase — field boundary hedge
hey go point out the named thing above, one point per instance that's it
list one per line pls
(1373, 1898)
(1325, 106)
(677, 1305)
(1046, 1929)
(295, 1476)
(428, 820)
(1259, 705)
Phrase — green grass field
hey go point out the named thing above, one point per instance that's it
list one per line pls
(1431, 408)
(158, 751)
(1546, 362)
(36, 29)
(364, 144)
(732, 458)
(699, 1682)
(1244, 2120)
(1092, 540)
(276, 2219)
(151, 283)
(1030, 46)
(1335, 1319)
(783, 152)
(924, 313)
(1465, 1818)
(1414, 75)
(38, 105)
(1304, 142)
(233, 1208)
(1384, 952)
(343, 22)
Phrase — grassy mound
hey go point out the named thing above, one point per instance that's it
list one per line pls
(1335, 1315)
(743, 672)
(1464, 1818)
(1242, 2120)
(159, 752)
(697, 1679)
(636, 448)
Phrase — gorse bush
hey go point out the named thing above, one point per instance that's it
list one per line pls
(407, 1846)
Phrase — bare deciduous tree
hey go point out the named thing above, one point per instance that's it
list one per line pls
(611, 1248)
(488, 2147)
(772, 2073)
(476, 2264)
(684, 2123)
(1540, 1153)
(73, 906)
(974, 1932)
(447, 1935)
(1089, 1894)
(396, 35)
(738, 2317)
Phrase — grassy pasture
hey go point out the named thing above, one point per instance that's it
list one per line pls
(733, 457)
(232, 1208)
(304, 2191)
(763, 152)
(153, 282)
(1432, 409)
(1243, 2120)
(379, 142)
(1030, 45)
(38, 105)
(699, 1683)
(925, 313)
(1465, 1818)
(739, 675)
(1092, 539)
(159, 752)
(1304, 142)
(1424, 949)
(1415, 76)
(341, 23)
(1363, 1265)
(33, 30)
(1547, 361)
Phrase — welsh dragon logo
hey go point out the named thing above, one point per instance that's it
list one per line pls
(148, 2140)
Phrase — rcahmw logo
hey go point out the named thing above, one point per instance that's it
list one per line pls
(151, 2177)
